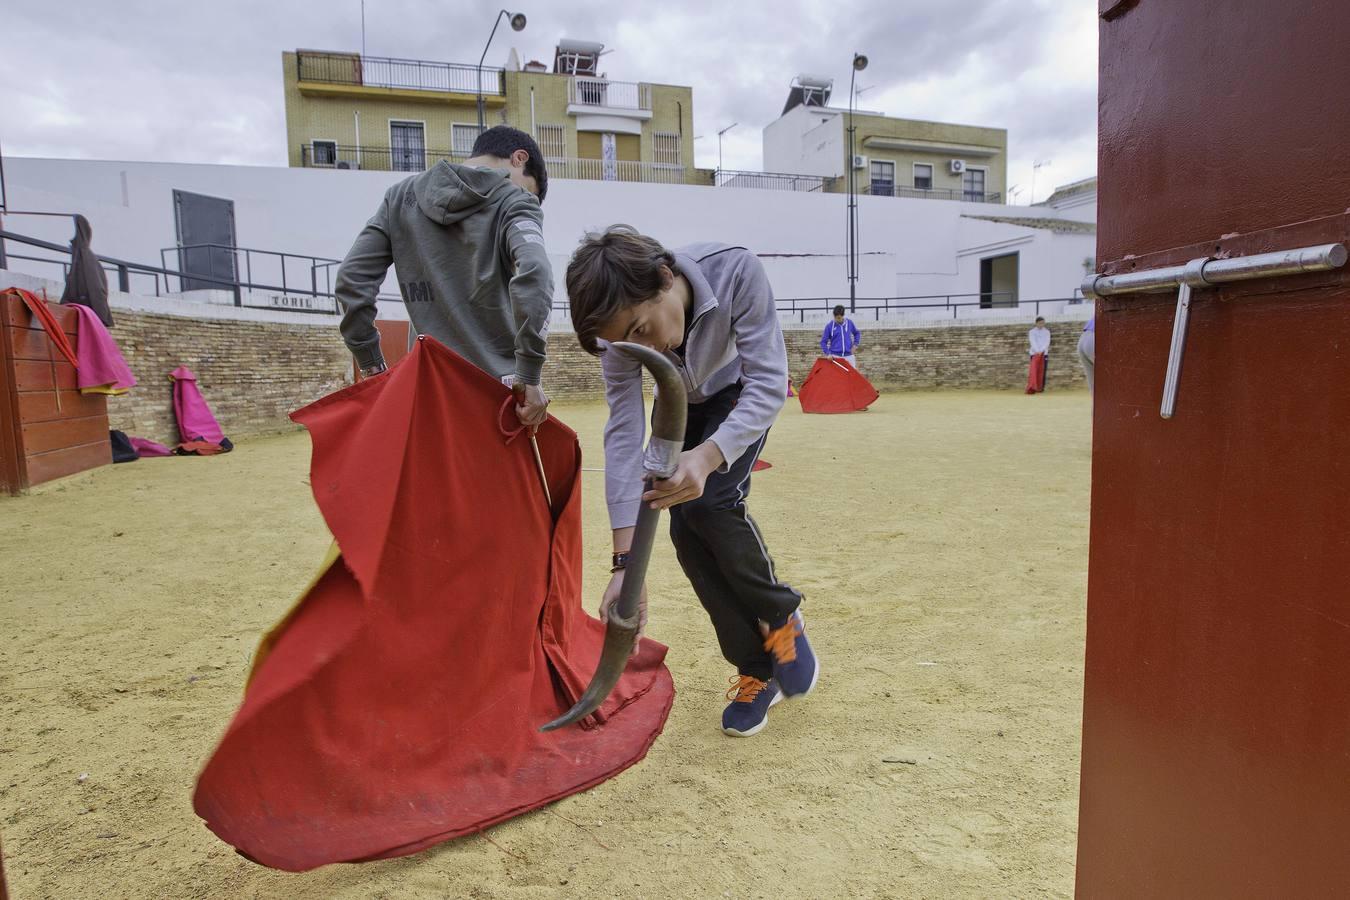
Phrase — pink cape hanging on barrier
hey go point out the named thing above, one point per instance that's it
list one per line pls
(102, 369)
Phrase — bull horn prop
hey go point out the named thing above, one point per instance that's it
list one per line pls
(660, 460)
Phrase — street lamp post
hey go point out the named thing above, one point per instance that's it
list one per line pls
(859, 63)
(517, 24)
(719, 146)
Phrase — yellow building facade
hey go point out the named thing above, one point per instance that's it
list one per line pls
(348, 111)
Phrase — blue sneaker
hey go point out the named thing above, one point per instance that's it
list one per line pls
(795, 668)
(748, 711)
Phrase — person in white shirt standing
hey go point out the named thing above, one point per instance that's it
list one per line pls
(1038, 348)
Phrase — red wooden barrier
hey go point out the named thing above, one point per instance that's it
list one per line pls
(48, 429)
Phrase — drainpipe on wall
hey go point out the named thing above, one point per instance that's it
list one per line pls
(356, 118)
(533, 132)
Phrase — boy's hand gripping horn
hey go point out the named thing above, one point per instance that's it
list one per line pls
(658, 462)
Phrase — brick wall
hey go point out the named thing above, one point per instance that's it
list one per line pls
(255, 368)
(252, 374)
(984, 357)
(571, 373)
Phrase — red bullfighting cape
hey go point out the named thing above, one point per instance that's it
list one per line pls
(1036, 371)
(833, 386)
(399, 704)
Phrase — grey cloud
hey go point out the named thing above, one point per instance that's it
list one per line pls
(195, 82)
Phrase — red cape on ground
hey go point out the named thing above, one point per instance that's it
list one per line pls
(399, 704)
(833, 386)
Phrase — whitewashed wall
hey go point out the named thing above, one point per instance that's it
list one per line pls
(908, 246)
(806, 141)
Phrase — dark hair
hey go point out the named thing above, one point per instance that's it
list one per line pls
(839, 310)
(501, 141)
(611, 271)
(1039, 319)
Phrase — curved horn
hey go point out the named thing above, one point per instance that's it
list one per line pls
(659, 461)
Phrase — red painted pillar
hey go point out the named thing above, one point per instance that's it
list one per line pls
(1216, 722)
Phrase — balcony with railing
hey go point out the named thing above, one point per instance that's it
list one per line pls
(415, 159)
(616, 170)
(352, 70)
(595, 95)
(771, 181)
(886, 189)
(374, 159)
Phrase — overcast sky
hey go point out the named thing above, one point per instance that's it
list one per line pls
(190, 82)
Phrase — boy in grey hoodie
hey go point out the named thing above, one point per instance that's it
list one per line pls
(467, 244)
(710, 310)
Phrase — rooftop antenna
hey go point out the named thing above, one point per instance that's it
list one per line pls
(1036, 167)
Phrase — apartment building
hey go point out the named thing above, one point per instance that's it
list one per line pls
(348, 111)
(890, 156)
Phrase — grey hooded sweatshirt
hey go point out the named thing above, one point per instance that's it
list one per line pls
(467, 246)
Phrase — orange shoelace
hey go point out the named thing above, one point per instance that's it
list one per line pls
(782, 642)
(745, 688)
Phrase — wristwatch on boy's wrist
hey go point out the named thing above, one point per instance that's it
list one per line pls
(620, 562)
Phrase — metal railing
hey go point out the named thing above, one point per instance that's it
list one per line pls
(382, 159)
(800, 306)
(882, 189)
(616, 170)
(162, 276)
(770, 181)
(953, 303)
(273, 263)
(376, 159)
(391, 72)
(601, 92)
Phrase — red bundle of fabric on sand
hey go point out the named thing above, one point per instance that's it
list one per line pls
(833, 386)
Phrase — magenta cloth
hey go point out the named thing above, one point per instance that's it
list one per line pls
(101, 363)
(147, 447)
(195, 422)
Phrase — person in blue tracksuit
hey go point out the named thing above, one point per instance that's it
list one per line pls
(840, 338)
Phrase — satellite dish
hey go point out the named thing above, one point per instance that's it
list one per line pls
(518, 22)
(859, 61)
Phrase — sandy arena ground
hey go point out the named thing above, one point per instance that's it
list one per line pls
(941, 542)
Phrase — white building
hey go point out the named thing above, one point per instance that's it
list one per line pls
(932, 253)
(1077, 200)
(888, 156)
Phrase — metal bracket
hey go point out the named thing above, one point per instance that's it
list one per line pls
(1202, 273)
(1193, 276)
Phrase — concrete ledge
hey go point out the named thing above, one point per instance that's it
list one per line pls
(174, 306)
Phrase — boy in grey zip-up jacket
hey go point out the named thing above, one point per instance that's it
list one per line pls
(709, 308)
(467, 245)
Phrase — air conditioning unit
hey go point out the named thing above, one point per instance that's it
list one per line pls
(859, 161)
(958, 166)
